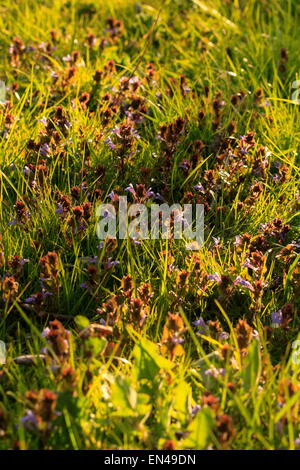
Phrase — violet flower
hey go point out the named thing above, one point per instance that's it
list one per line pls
(29, 420)
(45, 150)
(241, 282)
(276, 319)
(200, 323)
(110, 263)
(215, 277)
(195, 410)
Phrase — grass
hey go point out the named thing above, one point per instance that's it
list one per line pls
(216, 125)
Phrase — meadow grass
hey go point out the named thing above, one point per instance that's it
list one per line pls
(192, 99)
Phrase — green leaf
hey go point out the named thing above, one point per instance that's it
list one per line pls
(81, 321)
(200, 430)
(182, 395)
(97, 345)
(144, 366)
(252, 369)
(143, 405)
(124, 396)
(147, 359)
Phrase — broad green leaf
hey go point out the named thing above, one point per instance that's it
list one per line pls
(81, 321)
(148, 361)
(124, 396)
(182, 394)
(200, 430)
(97, 344)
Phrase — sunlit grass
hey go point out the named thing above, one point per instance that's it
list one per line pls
(234, 381)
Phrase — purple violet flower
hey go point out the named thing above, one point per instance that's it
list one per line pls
(276, 318)
(110, 143)
(45, 150)
(199, 187)
(184, 165)
(130, 188)
(110, 263)
(241, 282)
(215, 277)
(202, 326)
(60, 209)
(29, 420)
(195, 410)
